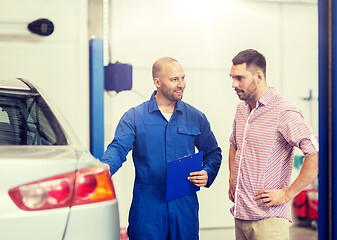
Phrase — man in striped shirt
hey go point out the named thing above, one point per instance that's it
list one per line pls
(266, 130)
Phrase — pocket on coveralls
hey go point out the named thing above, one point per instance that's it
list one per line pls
(186, 138)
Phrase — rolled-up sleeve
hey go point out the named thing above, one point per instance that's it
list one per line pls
(297, 132)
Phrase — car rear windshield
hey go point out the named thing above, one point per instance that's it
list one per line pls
(26, 119)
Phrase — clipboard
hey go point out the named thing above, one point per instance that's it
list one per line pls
(178, 170)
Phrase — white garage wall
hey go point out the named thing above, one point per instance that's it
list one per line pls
(204, 38)
(57, 63)
(300, 59)
(203, 35)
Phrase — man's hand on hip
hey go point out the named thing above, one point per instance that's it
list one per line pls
(271, 197)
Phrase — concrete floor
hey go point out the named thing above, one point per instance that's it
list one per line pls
(296, 233)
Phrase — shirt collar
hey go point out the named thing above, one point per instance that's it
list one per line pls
(265, 99)
(153, 106)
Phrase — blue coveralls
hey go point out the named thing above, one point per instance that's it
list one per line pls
(155, 141)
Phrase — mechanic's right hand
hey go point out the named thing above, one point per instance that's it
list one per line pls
(107, 167)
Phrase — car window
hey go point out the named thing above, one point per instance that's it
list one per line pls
(26, 119)
(3, 116)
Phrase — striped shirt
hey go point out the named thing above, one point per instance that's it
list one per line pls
(265, 139)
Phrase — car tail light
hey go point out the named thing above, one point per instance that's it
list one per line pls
(88, 185)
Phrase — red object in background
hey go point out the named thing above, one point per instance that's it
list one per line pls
(312, 204)
(300, 204)
(305, 204)
(124, 233)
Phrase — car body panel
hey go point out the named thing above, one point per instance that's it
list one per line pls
(42, 162)
(85, 221)
(13, 85)
(22, 164)
(94, 227)
(34, 225)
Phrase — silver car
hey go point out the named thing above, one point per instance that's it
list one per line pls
(50, 186)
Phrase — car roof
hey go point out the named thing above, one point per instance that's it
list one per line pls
(18, 84)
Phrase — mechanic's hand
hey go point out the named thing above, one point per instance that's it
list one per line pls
(231, 190)
(108, 168)
(272, 197)
(199, 178)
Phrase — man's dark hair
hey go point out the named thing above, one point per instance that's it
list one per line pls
(252, 58)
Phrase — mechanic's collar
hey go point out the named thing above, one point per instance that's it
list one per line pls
(153, 106)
